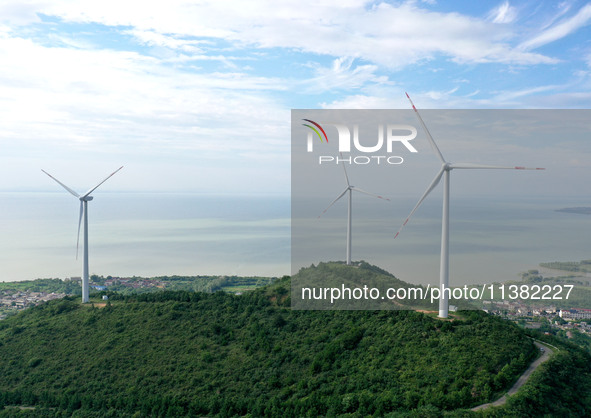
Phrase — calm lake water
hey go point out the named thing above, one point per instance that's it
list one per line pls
(144, 234)
(490, 239)
(150, 234)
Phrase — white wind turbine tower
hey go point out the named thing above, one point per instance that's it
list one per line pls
(350, 189)
(84, 199)
(444, 172)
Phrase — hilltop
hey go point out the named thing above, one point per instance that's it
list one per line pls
(181, 353)
(362, 286)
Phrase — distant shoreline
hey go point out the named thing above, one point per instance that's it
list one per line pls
(582, 210)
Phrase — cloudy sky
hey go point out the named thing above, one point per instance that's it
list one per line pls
(196, 95)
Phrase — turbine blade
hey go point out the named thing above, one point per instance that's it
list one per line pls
(357, 189)
(501, 167)
(431, 140)
(108, 177)
(333, 202)
(79, 223)
(434, 183)
(346, 176)
(62, 184)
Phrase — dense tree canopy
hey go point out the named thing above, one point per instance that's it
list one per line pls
(180, 353)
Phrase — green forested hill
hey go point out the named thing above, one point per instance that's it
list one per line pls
(197, 354)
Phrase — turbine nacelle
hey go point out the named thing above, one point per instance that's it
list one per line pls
(86, 198)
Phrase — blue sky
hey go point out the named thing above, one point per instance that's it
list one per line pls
(196, 96)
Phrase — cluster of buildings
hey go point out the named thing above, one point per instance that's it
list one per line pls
(14, 300)
(584, 327)
(131, 283)
(575, 314)
(515, 309)
(571, 319)
(11, 300)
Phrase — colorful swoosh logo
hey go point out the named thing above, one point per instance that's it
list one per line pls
(316, 130)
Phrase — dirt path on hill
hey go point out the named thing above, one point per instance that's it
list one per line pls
(522, 379)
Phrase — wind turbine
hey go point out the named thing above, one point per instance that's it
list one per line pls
(444, 172)
(349, 189)
(84, 199)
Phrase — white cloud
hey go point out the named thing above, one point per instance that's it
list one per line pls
(538, 97)
(66, 95)
(560, 30)
(508, 96)
(361, 101)
(151, 38)
(20, 12)
(385, 34)
(439, 95)
(342, 74)
(504, 13)
(83, 97)
(561, 9)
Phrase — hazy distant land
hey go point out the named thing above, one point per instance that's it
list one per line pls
(583, 210)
